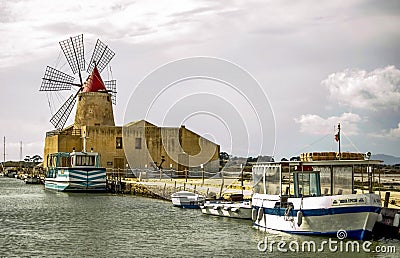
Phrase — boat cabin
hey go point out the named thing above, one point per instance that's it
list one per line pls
(65, 160)
(316, 178)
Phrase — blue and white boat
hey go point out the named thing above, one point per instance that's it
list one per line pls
(188, 200)
(316, 197)
(75, 171)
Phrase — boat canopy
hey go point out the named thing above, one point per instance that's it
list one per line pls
(318, 178)
(74, 159)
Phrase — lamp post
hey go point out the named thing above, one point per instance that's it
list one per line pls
(241, 170)
(170, 168)
(202, 174)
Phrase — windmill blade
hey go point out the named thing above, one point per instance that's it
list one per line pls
(111, 87)
(101, 56)
(61, 116)
(55, 80)
(74, 53)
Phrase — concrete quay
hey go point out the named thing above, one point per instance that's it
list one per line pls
(163, 188)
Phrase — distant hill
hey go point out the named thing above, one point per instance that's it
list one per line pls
(387, 159)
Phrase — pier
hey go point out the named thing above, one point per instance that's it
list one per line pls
(155, 185)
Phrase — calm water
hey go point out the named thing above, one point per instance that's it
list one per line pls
(34, 222)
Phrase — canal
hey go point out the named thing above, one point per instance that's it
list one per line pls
(35, 222)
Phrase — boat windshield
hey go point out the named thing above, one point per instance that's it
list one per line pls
(84, 160)
(267, 179)
(306, 184)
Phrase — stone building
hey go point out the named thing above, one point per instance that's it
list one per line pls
(173, 147)
(143, 143)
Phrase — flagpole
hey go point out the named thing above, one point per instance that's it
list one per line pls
(340, 154)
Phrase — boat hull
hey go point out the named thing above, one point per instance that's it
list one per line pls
(318, 217)
(228, 209)
(78, 180)
(187, 200)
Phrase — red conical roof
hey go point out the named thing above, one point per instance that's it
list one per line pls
(94, 82)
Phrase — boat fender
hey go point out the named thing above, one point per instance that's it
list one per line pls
(380, 218)
(260, 213)
(299, 218)
(216, 207)
(254, 214)
(202, 207)
(235, 209)
(396, 220)
(227, 208)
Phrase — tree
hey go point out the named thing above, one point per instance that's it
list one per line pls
(36, 158)
(223, 156)
(284, 159)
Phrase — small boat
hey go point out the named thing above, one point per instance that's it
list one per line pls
(316, 197)
(238, 210)
(32, 180)
(188, 200)
(75, 171)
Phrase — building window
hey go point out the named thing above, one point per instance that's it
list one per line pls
(138, 143)
(118, 142)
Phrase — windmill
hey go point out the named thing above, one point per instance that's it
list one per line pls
(55, 80)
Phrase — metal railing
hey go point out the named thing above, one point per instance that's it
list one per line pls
(73, 131)
(171, 173)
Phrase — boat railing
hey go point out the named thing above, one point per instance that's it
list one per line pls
(73, 131)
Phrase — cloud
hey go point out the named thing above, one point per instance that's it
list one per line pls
(376, 90)
(45, 22)
(391, 133)
(316, 125)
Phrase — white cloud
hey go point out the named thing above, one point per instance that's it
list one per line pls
(30, 28)
(392, 133)
(314, 124)
(376, 90)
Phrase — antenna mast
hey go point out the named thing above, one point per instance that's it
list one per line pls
(340, 154)
(20, 155)
(4, 153)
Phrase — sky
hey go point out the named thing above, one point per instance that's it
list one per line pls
(305, 67)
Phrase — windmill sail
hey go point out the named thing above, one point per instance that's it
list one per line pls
(111, 87)
(74, 53)
(55, 80)
(101, 56)
(61, 116)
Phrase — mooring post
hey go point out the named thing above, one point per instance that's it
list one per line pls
(165, 185)
(386, 203)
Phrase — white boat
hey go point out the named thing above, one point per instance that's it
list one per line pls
(315, 197)
(32, 180)
(189, 200)
(75, 171)
(238, 210)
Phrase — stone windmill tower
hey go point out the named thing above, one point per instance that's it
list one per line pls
(94, 103)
